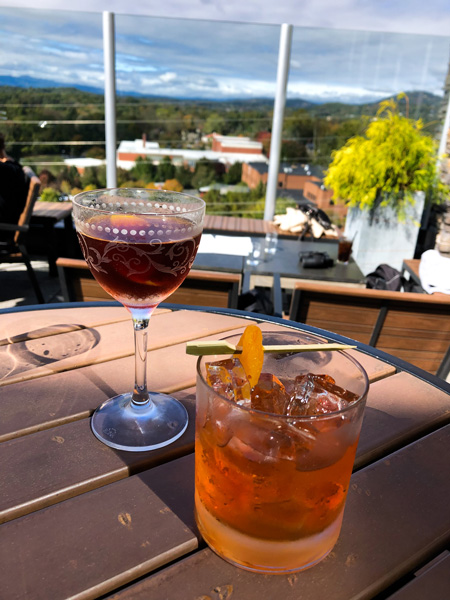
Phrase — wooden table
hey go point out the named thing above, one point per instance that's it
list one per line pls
(80, 520)
(47, 215)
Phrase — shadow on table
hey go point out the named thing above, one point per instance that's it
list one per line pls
(173, 482)
(41, 347)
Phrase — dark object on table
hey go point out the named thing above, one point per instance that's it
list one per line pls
(316, 260)
(257, 300)
(385, 278)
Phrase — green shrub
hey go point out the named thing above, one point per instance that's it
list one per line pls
(49, 194)
(386, 165)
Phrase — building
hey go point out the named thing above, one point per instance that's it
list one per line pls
(305, 182)
(82, 164)
(235, 144)
(229, 152)
(290, 176)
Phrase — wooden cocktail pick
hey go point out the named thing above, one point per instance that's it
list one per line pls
(224, 347)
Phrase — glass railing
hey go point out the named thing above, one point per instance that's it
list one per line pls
(342, 75)
(178, 81)
(51, 85)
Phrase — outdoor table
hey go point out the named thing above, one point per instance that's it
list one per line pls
(81, 520)
(286, 262)
(47, 215)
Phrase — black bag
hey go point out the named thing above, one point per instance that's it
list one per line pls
(256, 300)
(385, 278)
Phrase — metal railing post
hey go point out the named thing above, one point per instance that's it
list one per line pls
(284, 57)
(110, 98)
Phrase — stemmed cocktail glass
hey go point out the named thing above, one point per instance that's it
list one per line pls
(140, 245)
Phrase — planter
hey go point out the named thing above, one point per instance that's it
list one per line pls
(380, 238)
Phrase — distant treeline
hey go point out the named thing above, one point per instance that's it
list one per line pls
(36, 121)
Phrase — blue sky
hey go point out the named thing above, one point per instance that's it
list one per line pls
(219, 57)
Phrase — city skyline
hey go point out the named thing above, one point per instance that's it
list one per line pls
(198, 59)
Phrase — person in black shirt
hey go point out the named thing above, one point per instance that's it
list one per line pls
(13, 187)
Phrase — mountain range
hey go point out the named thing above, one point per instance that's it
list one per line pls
(423, 105)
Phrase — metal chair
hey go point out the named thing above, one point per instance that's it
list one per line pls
(410, 326)
(13, 250)
(200, 288)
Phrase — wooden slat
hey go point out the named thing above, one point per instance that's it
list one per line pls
(423, 360)
(100, 540)
(380, 541)
(53, 210)
(359, 333)
(50, 466)
(38, 358)
(421, 340)
(37, 404)
(89, 290)
(200, 297)
(428, 318)
(433, 583)
(342, 314)
(68, 460)
(396, 414)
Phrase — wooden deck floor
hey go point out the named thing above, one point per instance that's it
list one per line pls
(243, 226)
(240, 225)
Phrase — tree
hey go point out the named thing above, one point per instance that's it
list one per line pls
(166, 170)
(143, 169)
(214, 123)
(234, 173)
(173, 185)
(184, 176)
(95, 152)
(204, 175)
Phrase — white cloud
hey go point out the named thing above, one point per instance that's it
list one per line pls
(414, 16)
(183, 57)
(167, 77)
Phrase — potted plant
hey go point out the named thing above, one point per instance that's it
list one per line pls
(385, 176)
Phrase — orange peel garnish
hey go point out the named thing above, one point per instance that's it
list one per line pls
(251, 353)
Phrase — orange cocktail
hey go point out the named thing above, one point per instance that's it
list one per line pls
(272, 472)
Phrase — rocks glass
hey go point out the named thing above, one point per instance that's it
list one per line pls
(271, 489)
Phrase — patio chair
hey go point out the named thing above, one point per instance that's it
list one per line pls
(13, 249)
(200, 288)
(413, 327)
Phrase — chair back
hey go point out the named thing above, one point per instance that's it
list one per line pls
(33, 193)
(411, 326)
(200, 288)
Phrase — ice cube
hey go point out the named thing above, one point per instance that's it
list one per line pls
(259, 442)
(269, 395)
(317, 394)
(227, 378)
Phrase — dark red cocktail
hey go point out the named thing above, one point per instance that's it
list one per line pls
(139, 262)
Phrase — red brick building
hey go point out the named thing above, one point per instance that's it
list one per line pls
(290, 177)
(241, 145)
(306, 179)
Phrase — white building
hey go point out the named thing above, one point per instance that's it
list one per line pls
(243, 151)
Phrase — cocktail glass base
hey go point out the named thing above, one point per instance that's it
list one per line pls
(124, 425)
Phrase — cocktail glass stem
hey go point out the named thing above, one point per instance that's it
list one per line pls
(140, 393)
